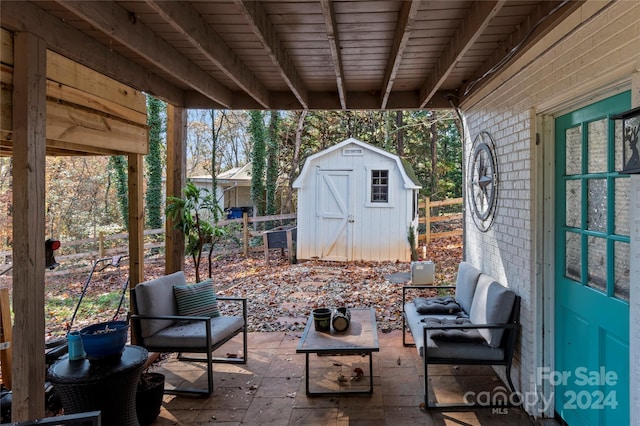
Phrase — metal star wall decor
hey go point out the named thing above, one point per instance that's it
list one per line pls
(483, 181)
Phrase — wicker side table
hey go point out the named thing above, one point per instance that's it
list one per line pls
(106, 386)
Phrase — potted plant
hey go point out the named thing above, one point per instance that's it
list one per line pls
(149, 394)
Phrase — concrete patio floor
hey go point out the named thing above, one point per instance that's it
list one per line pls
(270, 388)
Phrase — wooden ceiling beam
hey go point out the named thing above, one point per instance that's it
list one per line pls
(77, 46)
(263, 28)
(478, 18)
(408, 12)
(326, 100)
(547, 15)
(334, 45)
(117, 22)
(186, 20)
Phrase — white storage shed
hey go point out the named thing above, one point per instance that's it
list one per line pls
(356, 202)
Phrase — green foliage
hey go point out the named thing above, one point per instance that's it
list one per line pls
(190, 214)
(153, 205)
(80, 193)
(118, 165)
(257, 135)
(94, 308)
(437, 163)
(272, 164)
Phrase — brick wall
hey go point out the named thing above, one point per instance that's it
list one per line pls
(595, 57)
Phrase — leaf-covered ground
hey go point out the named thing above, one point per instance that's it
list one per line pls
(280, 296)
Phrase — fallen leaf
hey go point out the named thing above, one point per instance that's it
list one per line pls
(279, 289)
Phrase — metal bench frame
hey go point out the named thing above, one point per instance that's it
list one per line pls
(207, 348)
(508, 344)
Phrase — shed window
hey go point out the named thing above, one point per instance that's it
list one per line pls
(379, 186)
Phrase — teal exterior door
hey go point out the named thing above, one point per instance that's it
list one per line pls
(591, 374)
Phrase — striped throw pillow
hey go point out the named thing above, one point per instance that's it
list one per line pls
(197, 299)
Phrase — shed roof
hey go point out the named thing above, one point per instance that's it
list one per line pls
(408, 176)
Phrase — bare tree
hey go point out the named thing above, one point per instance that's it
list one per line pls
(400, 137)
(295, 161)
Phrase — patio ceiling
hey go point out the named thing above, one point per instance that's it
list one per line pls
(293, 54)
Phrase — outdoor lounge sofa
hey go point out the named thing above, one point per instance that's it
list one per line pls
(171, 316)
(477, 326)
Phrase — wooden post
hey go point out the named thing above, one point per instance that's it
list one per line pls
(136, 219)
(6, 330)
(245, 230)
(101, 243)
(421, 219)
(176, 179)
(290, 246)
(29, 151)
(427, 219)
(265, 240)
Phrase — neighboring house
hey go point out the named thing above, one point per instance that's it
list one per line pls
(562, 227)
(355, 202)
(233, 190)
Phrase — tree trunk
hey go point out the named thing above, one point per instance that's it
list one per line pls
(400, 139)
(295, 162)
(434, 158)
(272, 163)
(215, 136)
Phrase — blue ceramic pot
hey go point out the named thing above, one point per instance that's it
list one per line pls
(105, 340)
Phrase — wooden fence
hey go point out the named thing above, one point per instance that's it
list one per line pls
(89, 249)
(454, 215)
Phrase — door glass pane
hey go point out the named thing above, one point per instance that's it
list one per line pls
(597, 205)
(621, 271)
(597, 263)
(574, 151)
(622, 197)
(574, 203)
(597, 154)
(573, 257)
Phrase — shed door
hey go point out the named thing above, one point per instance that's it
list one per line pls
(591, 376)
(335, 192)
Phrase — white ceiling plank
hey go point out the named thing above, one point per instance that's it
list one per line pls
(478, 18)
(75, 45)
(334, 44)
(404, 26)
(263, 29)
(113, 20)
(185, 19)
